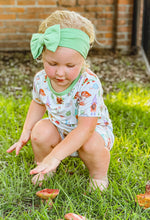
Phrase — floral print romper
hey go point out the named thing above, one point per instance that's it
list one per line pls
(83, 98)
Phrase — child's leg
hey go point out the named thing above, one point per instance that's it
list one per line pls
(96, 157)
(44, 138)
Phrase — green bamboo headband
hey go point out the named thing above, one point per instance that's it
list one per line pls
(54, 37)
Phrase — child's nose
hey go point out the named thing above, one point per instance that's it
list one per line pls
(60, 72)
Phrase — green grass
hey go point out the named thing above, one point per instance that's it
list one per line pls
(129, 109)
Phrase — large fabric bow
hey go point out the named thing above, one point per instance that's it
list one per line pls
(50, 39)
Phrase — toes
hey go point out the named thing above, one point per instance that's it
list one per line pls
(98, 183)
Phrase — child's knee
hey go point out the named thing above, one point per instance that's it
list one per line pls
(45, 133)
(37, 134)
(94, 144)
(87, 148)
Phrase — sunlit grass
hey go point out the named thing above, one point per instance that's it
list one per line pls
(128, 172)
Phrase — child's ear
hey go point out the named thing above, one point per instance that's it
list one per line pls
(85, 65)
(39, 59)
(43, 52)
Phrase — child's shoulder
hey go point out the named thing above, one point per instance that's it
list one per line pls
(88, 73)
(89, 80)
(89, 76)
(41, 75)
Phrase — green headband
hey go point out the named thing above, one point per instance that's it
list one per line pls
(54, 37)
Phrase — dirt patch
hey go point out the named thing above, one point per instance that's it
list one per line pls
(114, 68)
(17, 70)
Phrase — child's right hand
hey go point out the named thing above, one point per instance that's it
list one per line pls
(24, 138)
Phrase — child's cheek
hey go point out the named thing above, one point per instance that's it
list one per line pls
(74, 73)
(50, 71)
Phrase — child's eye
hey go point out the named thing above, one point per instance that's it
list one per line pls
(70, 65)
(52, 64)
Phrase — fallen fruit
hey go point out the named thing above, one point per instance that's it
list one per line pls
(72, 216)
(48, 193)
(144, 199)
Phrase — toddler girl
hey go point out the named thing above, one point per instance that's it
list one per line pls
(78, 120)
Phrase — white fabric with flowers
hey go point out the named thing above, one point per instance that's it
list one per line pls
(84, 98)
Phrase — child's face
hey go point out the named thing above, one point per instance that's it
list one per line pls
(62, 67)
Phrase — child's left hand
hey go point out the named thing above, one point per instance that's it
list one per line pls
(46, 166)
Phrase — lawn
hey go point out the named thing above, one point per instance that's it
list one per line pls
(129, 107)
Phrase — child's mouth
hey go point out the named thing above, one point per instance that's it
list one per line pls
(60, 80)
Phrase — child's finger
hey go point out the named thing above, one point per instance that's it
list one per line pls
(38, 169)
(18, 148)
(47, 170)
(38, 179)
(12, 148)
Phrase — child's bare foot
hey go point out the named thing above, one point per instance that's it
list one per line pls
(102, 184)
(38, 178)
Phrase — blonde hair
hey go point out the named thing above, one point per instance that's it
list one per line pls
(69, 19)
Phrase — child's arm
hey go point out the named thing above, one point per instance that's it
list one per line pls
(35, 113)
(76, 138)
(72, 142)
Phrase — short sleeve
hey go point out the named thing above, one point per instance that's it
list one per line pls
(91, 102)
(36, 90)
